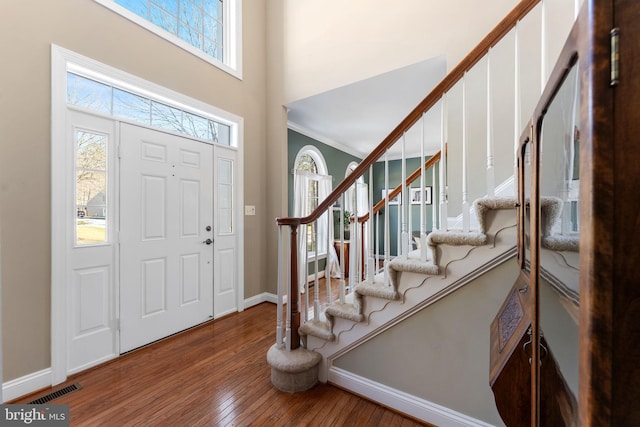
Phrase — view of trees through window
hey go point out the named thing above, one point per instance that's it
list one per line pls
(113, 101)
(197, 22)
(91, 188)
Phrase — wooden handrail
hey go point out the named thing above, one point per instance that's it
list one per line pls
(415, 175)
(429, 101)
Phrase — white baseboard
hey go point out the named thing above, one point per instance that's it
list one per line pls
(400, 401)
(258, 299)
(263, 297)
(25, 385)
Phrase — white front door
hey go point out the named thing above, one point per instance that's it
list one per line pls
(166, 223)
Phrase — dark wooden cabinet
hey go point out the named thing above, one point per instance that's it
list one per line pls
(604, 54)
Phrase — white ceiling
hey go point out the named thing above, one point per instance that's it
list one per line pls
(357, 117)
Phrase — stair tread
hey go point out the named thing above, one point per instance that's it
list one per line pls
(457, 238)
(318, 328)
(377, 289)
(414, 265)
(344, 310)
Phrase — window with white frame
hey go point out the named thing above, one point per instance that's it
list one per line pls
(116, 101)
(311, 185)
(362, 204)
(207, 28)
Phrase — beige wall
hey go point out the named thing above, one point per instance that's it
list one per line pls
(27, 30)
(331, 43)
(441, 354)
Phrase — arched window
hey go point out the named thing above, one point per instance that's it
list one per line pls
(311, 185)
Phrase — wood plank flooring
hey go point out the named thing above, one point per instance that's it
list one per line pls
(213, 375)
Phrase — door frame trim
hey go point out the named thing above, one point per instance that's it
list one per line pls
(61, 61)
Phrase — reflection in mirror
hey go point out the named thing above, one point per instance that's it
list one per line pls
(559, 184)
(526, 171)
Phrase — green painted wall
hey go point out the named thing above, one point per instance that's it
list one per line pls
(337, 161)
(395, 178)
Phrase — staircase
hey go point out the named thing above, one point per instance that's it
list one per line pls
(457, 257)
(473, 220)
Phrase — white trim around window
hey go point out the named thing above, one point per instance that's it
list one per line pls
(232, 63)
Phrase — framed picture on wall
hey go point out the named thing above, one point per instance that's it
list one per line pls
(417, 195)
(395, 201)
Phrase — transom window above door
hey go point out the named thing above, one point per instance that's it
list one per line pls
(113, 101)
(208, 28)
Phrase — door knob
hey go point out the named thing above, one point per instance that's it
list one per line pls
(208, 228)
(208, 241)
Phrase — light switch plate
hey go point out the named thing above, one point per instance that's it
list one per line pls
(249, 210)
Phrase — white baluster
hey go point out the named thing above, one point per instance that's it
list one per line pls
(371, 260)
(353, 239)
(491, 179)
(289, 282)
(343, 265)
(466, 209)
(316, 285)
(434, 205)
(387, 236)
(404, 202)
(305, 275)
(377, 238)
(409, 221)
(444, 214)
(399, 231)
(423, 198)
(327, 272)
(281, 255)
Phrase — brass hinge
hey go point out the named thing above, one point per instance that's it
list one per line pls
(615, 57)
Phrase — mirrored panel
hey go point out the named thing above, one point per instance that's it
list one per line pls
(559, 183)
(525, 202)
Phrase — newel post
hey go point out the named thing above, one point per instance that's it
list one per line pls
(294, 290)
(293, 367)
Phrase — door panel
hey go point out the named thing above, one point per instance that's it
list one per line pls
(166, 279)
(226, 259)
(91, 326)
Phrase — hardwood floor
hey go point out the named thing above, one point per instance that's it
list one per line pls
(213, 375)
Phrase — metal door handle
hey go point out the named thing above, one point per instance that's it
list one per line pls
(208, 241)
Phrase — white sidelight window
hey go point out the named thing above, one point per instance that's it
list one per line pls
(91, 187)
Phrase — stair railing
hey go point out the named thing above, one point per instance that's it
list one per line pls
(454, 172)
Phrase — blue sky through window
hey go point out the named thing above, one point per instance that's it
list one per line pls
(106, 99)
(197, 22)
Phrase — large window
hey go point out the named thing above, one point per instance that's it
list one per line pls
(208, 28)
(311, 185)
(113, 101)
(308, 164)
